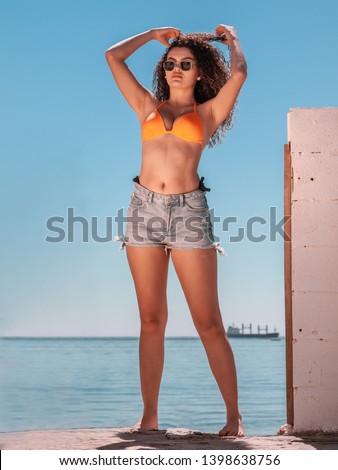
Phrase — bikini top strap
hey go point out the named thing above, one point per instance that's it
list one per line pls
(161, 104)
(195, 106)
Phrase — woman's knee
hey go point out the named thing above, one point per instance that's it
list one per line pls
(210, 329)
(153, 322)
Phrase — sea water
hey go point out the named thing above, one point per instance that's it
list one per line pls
(50, 383)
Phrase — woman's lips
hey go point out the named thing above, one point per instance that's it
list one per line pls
(177, 76)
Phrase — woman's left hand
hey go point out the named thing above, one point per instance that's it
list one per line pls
(229, 33)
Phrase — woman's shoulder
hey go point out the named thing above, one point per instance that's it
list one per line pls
(203, 107)
(150, 104)
(203, 110)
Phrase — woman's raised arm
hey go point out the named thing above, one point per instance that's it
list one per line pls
(220, 106)
(136, 94)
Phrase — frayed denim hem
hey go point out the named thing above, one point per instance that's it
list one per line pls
(216, 245)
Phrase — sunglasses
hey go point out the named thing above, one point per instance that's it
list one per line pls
(185, 65)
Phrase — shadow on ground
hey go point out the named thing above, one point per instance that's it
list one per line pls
(175, 439)
(123, 438)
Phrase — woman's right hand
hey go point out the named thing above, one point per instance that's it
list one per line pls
(164, 34)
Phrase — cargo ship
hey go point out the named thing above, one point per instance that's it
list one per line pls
(262, 333)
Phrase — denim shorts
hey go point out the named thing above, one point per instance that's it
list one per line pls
(171, 221)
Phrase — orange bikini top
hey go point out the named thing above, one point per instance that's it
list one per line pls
(188, 126)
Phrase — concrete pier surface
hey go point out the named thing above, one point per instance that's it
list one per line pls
(123, 438)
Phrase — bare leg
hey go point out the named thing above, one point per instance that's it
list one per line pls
(149, 268)
(197, 272)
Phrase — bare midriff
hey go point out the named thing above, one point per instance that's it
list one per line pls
(169, 165)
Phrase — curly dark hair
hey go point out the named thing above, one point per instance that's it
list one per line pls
(215, 71)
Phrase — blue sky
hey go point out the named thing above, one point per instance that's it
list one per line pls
(69, 140)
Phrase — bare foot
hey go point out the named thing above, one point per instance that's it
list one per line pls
(145, 425)
(234, 427)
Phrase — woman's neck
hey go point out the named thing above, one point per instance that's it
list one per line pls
(180, 98)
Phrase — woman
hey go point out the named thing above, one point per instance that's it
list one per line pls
(195, 94)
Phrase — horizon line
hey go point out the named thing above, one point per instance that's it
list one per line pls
(97, 337)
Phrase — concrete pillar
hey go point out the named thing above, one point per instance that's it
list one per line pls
(313, 146)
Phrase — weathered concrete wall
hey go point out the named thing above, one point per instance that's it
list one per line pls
(313, 134)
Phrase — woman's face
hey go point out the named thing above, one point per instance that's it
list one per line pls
(178, 78)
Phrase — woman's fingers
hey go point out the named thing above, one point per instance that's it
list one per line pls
(165, 34)
(228, 31)
(220, 29)
(174, 33)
